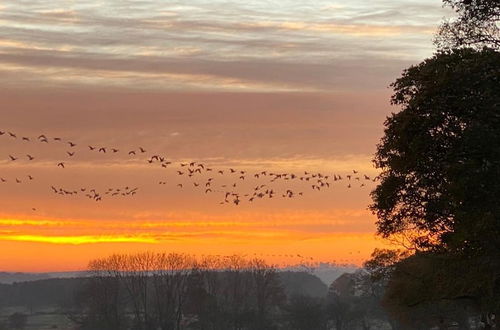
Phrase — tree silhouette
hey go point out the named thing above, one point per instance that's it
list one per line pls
(440, 182)
(477, 25)
(439, 156)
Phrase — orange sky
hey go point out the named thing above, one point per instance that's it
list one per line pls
(250, 86)
(64, 232)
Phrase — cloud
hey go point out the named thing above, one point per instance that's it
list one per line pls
(252, 46)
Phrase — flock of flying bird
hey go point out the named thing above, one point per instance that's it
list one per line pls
(196, 174)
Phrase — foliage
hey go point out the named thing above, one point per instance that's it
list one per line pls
(439, 156)
(477, 25)
(305, 313)
(382, 263)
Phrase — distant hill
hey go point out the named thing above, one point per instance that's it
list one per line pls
(11, 277)
(325, 271)
(303, 284)
(35, 293)
(330, 272)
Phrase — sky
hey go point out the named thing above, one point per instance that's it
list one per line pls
(257, 86)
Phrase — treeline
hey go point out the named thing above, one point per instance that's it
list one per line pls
(177, 291)
(152, 291)
(171, 291)
(35, 295)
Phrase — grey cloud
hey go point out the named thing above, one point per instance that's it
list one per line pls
(356, 73)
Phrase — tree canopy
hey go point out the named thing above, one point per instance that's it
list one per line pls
(439, 193)
(440, 156)
(476, 25)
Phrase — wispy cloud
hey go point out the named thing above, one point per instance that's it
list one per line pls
(252, 46)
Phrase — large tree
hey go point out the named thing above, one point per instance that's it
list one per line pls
(440, 156)
(440, 182)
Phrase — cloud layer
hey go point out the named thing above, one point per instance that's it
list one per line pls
(216, 45)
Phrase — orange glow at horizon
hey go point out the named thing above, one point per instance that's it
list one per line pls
(56, 254)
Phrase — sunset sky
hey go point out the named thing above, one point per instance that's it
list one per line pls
(283, 86)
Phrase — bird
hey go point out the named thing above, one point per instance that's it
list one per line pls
(12, 158)
(61, 164)
(30, 157)
(131, 152)
(91, 148)
(142, 150)
(71, 144)
(71, 154)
